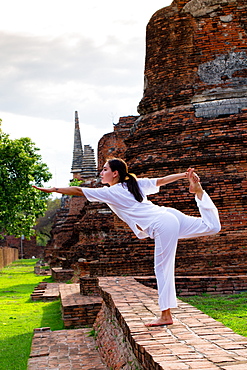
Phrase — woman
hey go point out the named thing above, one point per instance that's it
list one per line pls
(127, 197)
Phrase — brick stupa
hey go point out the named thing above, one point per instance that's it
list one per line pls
(193, 113)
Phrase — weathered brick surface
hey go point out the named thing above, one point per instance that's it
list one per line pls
(59, 274)
(89, 286)
(195, 341)
(217, 149)
(196, 285)
(78, 310)
(112, 144)
(64, 350)
(46, 292)
(191, 48)
(113, 346)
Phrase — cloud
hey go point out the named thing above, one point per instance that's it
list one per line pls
(59, 57)
(39, 75)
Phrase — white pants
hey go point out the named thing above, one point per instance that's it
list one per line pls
(166, 230)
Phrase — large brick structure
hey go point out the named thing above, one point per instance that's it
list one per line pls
(196, 55)
(193, 113)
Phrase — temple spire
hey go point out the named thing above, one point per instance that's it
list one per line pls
(83, 163)
(78, 151)
(89, 170)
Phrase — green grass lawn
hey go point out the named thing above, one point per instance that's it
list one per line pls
(19, 315)
(231, 310)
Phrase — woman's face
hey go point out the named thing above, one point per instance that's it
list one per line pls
(108, 176)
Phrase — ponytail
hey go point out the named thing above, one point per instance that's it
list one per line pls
(133, 187)
(125, 177)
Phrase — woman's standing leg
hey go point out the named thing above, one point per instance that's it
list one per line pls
(166, 231)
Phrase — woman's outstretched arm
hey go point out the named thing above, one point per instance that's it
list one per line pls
(171, 178)
(177, 176)
(71, 190)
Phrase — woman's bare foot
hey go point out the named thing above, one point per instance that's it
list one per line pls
(158, 322)
(195, 186)
(164, 319)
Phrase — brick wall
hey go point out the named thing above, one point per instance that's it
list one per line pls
(112, 144)
(112, 342)
(198, 284)
(195, 51)
(217, 149)
(193, 114)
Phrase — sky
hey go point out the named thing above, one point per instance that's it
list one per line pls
(58, 57)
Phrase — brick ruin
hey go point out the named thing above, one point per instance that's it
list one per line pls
(193, 113)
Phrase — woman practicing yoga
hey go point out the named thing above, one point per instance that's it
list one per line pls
(127, 197)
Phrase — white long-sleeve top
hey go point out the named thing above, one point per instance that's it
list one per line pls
(138, 215)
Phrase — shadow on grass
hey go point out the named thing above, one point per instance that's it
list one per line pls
(23, 288)
(14, 352)
(52, 316)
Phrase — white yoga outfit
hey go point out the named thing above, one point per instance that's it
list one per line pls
(165, 225)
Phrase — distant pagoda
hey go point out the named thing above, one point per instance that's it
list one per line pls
(83, 162)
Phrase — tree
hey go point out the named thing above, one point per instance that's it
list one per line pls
(20, 168)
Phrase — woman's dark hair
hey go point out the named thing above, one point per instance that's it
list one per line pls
(124, 177)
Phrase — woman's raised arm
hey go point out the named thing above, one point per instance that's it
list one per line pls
(71, 190)
(177, 176)
(171, 178)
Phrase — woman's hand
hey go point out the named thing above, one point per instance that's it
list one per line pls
(45, 190)
(71, 190)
